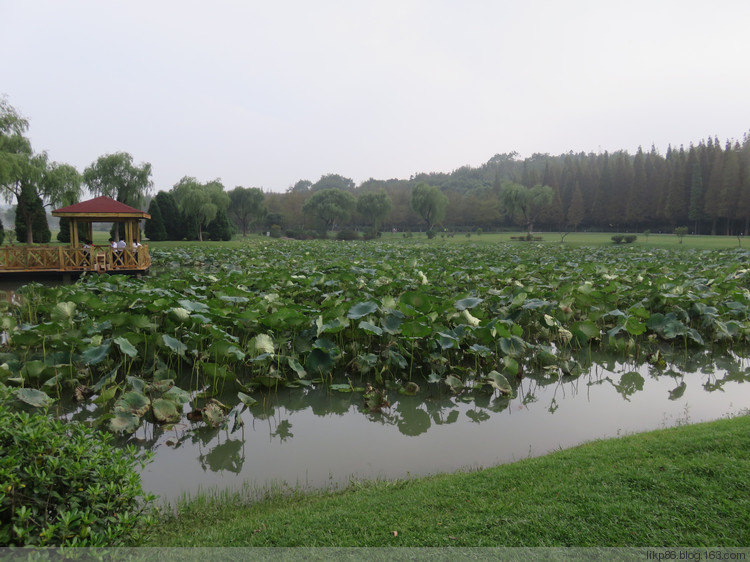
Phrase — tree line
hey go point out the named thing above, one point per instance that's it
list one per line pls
(705, 187)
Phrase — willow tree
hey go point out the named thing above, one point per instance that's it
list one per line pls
(526, 204)
(429, 203)
(330, 206)
(200, 203)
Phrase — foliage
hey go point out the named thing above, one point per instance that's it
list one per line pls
(618, 238)
(220, 228)
(154, 228)
(170, 214)
(2, 232)
(525, 205)
(331, 206)
(30, 214)
(293, 313)
(247, 207)
(201, 203)
(63, 234)
(66, 484)
(429, 203)
(630, 238)
(275, 231)
(375, 206)
(680, 232)
(331, 181)
(347, 235)
(115, 176)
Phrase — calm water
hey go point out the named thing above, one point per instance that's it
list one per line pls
(317, 438)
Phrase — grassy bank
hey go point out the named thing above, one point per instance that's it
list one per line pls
(686, 486)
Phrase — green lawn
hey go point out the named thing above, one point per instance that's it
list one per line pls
(685, 486)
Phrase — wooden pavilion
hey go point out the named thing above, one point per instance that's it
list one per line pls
(82, 255)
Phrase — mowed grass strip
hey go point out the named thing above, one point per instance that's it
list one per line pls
(685, 486)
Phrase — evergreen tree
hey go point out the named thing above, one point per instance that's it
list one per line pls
(220, 228)
(154, 228)
(575, 214)
(64, 234)
(730, 186)
(30, 207)
(171, 216)
(695, 213)
(2, 232)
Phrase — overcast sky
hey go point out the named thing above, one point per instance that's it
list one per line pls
(264, 93)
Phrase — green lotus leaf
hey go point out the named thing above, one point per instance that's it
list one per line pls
(193, 306)
(179, 314)
(297, 367)
(177, 395)
(319, 361)
(370, 328)
(124, 422)
(63, 312)
(126, 347)
(499, 382)
(454, 383)
(95, 355)
(469, 302)
(33, 369)
(165, 410)
(133, 402)
(174, 344)
(361, 310)
(262, 343)
(33, 397)
(245, 399)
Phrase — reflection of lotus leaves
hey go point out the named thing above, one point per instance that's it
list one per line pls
(283, 431)
(226, 456)
(413, 422)
(477, 416)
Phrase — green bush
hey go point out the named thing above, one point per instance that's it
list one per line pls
(275, 231)
(630, 238)
(617, 238)
(64, 484)
(347, 235)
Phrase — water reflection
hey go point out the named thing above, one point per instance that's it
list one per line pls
(317, 437)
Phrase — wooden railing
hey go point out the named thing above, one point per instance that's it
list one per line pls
(65, 258)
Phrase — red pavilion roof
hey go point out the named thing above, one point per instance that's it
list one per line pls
(100, 206)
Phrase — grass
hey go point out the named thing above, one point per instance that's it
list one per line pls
(685, 486)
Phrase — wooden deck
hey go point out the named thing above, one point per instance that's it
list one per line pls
(67, 260)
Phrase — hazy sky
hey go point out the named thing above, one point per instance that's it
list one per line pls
(264, 93)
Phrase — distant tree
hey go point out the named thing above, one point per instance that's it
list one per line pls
(154, 228)
(200, 203)
(333, 181)
(576, 209)
(170, 215)
(429, 203)
(115, 176)
(221, 227)
(525, 205)
(302, 186)
(695, 209)
(681, 231)
(248, 206)
(63, 234)
(330, 206)
(376, 206)
(31, 219)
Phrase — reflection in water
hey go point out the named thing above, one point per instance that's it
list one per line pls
(317, 437)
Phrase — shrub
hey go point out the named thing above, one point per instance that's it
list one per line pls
(275, 231)
(64, 484)
(2, 232)
(347, 235)
(617, 238)
(431, 233)
(630, 238)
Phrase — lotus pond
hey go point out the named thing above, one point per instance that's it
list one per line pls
(312, 362)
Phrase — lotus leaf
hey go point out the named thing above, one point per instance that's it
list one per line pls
(165, 410)
(124, 422)
(361, 310)
(33, 397)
